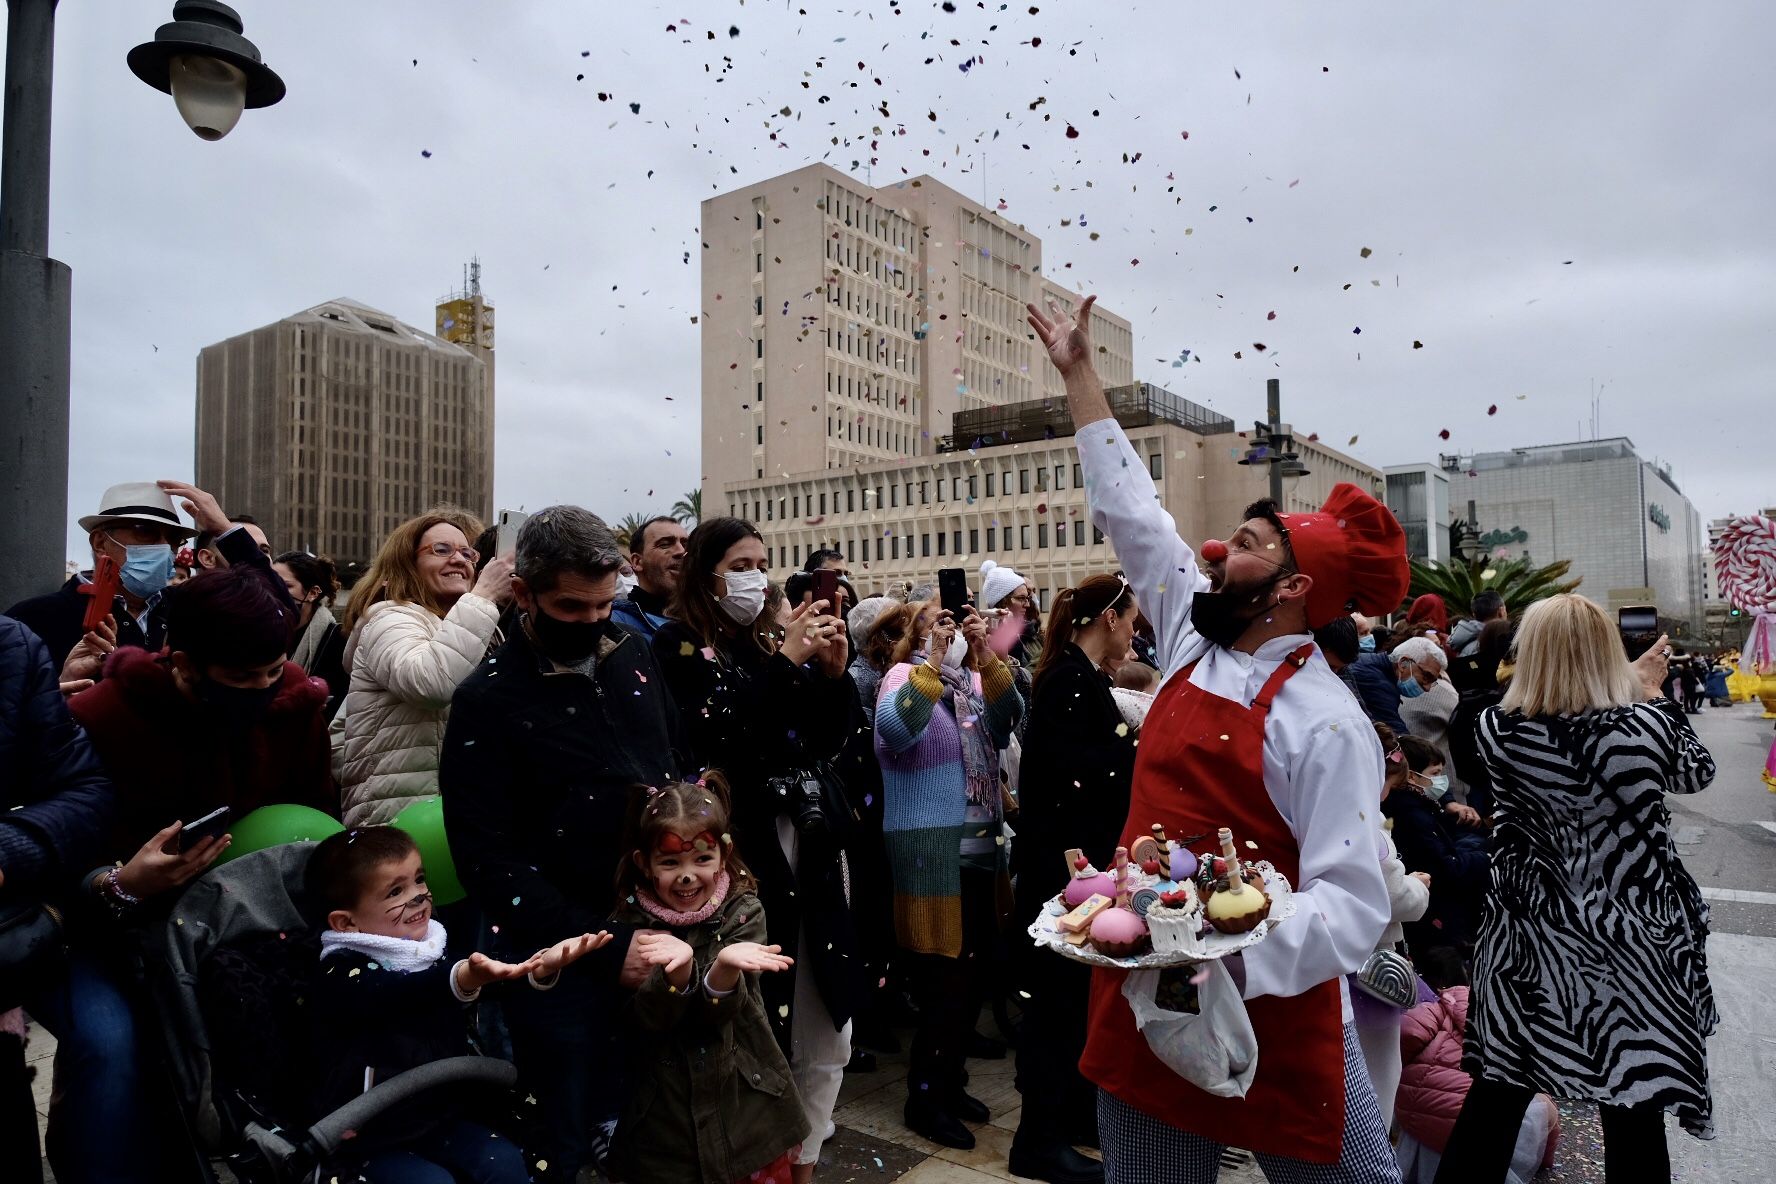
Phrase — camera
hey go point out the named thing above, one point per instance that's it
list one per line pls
(808, 806)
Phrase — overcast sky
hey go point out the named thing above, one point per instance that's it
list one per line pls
(1555, 197)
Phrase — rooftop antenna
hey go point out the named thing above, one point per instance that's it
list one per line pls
(474, 284)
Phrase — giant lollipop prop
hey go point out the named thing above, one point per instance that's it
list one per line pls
(1745, 569)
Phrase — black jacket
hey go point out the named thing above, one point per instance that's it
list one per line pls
(755, 717)
(1428, 841)
(1073, 781)
(536, 774)
(56, 804)
(1377, 687)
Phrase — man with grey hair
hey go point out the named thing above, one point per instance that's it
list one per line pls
(544, 744)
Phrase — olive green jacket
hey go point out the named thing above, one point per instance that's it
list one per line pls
(710, 1096)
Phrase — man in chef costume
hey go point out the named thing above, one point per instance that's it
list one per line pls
(1253, 731)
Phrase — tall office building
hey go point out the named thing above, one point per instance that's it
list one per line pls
(334, 425)
(845, 325)
(1632, 535)
(1006, 485)
(1419, 497)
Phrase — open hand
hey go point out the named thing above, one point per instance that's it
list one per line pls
(743, 956)
(477, 970)
(809, 632)
(160, 865)
(668, 953)
(1067, 339)
(551, 961)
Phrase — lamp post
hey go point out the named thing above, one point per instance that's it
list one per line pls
(1273, 444)
(212, 73)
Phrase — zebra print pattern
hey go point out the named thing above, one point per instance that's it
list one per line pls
(1590, 978)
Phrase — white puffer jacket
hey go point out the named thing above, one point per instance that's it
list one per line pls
(405, 665)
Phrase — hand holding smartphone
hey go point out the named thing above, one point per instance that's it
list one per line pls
(952, 591)
(106, 582)
(208, 827)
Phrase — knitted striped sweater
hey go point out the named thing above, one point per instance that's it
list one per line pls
(925, 797)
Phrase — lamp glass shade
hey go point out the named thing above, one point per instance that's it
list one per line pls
(210, 93)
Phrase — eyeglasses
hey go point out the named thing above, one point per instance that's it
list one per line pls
(445, 551)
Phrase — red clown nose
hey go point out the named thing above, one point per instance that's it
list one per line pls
(1214, 551)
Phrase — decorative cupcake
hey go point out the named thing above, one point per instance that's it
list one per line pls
(1175, 921)
(1238, 901)
(1084, 881)
(1120, 931)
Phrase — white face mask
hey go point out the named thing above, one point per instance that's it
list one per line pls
(957, 652)
(745, 597)
(625, 584)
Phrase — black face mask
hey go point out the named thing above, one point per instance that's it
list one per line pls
(571, 642)
(240, 707)
(1223, 616)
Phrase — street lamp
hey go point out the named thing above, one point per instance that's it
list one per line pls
(212, 72)
(1273, 444)
(219, 74)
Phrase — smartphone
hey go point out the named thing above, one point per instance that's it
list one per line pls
(106, 581)
(208, 827)
(1640, 628)
(826, 587)
(952, 590)
(509, 523)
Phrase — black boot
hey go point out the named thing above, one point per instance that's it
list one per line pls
(931, 1121)
(1058, 1165)
(966, 1106)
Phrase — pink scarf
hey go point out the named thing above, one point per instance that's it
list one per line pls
(653, 908)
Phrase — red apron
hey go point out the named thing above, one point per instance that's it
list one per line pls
(1201, 767)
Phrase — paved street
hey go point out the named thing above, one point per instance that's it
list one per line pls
(1728, 838)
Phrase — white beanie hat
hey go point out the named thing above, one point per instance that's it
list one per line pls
(997, 583)
(861, 621)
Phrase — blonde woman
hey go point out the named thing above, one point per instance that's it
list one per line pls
(419, 622)
(1589, 973)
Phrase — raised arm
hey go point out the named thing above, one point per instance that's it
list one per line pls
(422, 663)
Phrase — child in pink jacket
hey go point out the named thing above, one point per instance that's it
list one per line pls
(1433, 1086)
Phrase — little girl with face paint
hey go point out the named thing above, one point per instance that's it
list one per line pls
(701, 1039)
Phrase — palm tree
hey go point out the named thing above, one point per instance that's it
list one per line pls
(1520, 583)
(689, 508)
(629, 527)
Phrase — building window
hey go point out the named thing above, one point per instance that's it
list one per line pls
(923, 499)
(956, 538)
(759, 347)
(1042, 535)
(1097, 535)
(769, 508)
(1023, 480)
(1079, 533)
(925, 546)
(971, 485)
(796, 502)
(993, 539)
(940, 542)
(894, 547)
(823, 503)
(850, 551)
(878, 550)
(1024, 537)
(894, 495)
(989, 484)
(758, 434)
(973, 540)
(1060, 476)
(1153, 467)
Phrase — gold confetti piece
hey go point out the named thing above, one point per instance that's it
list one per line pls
(1122, 729)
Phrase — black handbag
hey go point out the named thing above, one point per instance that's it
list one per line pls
(31, 947)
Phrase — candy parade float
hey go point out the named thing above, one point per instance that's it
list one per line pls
(1745, 569)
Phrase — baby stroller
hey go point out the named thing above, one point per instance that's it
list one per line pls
(229, 976)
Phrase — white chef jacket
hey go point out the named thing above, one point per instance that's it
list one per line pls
(1323, 765)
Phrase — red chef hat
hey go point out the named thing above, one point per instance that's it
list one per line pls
(1356, 553)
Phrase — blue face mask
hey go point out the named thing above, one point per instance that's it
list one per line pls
(1366, 642)
(1409, 688)
(146, 569)
(1439, 786)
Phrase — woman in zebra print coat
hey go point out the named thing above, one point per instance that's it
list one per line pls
(1590, 980)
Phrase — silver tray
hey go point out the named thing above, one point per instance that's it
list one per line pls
(1215, 945)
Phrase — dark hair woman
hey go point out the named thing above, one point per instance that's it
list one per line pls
(319, 647)
(1590, 973)
(1073, 787)
(761, 716)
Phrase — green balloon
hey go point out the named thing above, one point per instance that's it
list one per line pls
(424, 820)
(273, 826)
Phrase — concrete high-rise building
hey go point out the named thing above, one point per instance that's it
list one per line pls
(334, 425)
(1006, 486)
(1632, 536)
(1419, 497)
(845, 325)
